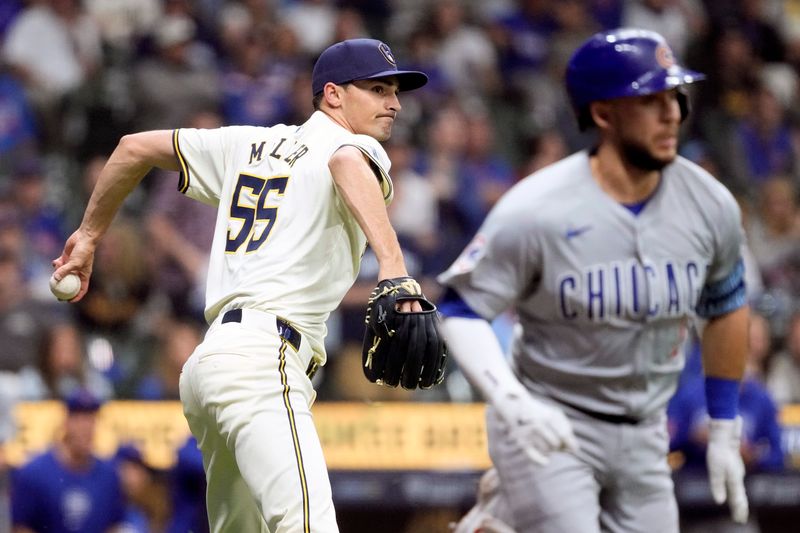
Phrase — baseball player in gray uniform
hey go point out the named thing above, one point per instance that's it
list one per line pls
(296, 207)
(607, 257)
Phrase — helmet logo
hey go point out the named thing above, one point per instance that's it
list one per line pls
(387, 54)
(664, 56)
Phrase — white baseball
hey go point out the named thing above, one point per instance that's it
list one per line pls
(67, 288)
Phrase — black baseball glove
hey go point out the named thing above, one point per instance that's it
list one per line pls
(402, 348)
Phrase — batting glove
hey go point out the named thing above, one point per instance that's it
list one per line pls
(539, 428)
(725, 466)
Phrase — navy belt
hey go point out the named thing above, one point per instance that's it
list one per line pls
(286, 332)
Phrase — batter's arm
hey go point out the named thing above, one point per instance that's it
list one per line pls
(131, 160)
(724, 344)
(475, 347)
(538, 428)
(358, 186)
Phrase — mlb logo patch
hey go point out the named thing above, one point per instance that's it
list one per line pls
(471, 254)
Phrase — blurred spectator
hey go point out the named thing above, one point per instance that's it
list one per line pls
(13, 386)
(115, 313)
(178, 81)
(761, 446)
(108, 107)
(464, 52)
(574, 24)
(542, 102)
(54, 47)
(761, 30)
(124, 23)
(206, 46)
(731, 67)
(24, 322)
(301, 104)
(18, 129)
(147, 508)
(64, 367)
(774, 235)
(255, 91)
(178, 246)
(374, 14)
(177, 341)
(677, 20)
(485, 175)
(414, 211)
(545, 148)
(783, 378)
(68, 488)
(422, 55)
(465, 173)
(42, 223)
(313, 21)
(522, 40)
(188, 491)
(440, 164)
(236, 20)
(765, 138)
(349, 25)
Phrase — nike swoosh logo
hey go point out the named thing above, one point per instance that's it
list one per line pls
(574, 232)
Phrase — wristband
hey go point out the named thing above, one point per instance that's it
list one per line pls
(722, 397)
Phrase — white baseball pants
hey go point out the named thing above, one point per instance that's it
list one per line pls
(247, 399)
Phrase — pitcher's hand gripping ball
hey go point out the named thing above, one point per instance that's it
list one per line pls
(66, 289)
(402, 348)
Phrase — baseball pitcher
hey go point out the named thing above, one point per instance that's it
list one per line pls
(296, 207)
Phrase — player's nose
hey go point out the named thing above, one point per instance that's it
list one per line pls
(393, 102)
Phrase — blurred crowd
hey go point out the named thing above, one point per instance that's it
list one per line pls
(76, 75)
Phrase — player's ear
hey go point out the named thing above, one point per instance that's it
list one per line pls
(600, 113)
(332, 95)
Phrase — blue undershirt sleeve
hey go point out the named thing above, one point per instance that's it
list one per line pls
(452, 304)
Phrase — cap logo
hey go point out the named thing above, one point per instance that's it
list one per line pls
(664, 56)
(387, 54)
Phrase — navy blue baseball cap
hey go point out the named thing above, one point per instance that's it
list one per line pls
(82, 401)
(361, 59)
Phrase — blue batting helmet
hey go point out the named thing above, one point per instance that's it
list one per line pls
(620, 63)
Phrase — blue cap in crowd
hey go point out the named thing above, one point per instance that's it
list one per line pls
(82, 401)
(361, 59)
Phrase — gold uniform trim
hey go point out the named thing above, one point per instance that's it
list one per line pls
(298, 454)
(183, 181)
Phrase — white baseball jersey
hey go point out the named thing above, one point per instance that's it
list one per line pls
(604, 296)
(284, 240)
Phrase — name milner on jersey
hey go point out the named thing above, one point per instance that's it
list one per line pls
(257, 152)
(633, 290)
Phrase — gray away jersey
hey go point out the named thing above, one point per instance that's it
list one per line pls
(604, 297)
